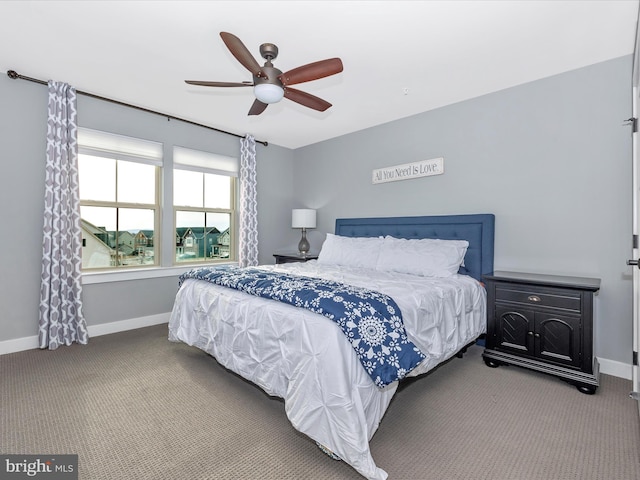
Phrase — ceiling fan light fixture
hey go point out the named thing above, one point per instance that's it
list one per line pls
(268, 93)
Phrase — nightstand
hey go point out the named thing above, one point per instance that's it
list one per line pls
(293, 257)
(545, 323)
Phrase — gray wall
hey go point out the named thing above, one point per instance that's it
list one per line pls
(22, 143)
(550, 159)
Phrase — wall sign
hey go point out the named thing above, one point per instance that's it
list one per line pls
(424, 168)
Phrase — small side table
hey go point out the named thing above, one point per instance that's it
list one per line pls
(293, 257)
(545, 323)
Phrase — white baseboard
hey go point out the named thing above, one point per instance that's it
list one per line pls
(18, 345)
(614, 368)
(30, 343)
(130, 324)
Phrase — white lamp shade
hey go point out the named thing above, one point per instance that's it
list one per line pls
(268, 93)
(303, 218)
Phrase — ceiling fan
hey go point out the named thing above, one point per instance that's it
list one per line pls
(270, 84)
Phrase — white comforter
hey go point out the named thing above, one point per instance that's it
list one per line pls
(305, 358)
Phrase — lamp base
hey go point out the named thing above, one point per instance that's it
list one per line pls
(303, 245)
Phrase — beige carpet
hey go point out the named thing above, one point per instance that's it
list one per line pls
(134, 406)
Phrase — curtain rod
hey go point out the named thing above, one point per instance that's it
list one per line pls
(13, 74)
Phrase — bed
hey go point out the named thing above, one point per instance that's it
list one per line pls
(331, 391)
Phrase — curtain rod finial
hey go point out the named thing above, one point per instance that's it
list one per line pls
(12, 74)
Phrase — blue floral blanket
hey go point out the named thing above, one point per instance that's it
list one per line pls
(371, 321)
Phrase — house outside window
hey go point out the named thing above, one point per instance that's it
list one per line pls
(119, 199)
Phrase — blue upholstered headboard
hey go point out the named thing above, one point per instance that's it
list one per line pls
(477, 229)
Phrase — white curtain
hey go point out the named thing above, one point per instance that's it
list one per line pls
(248, 241)
(61, 320)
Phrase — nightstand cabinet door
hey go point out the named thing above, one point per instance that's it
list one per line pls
(557, 339)
(513, 327)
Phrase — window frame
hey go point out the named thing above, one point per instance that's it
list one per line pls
(231, 211)
(105, 145)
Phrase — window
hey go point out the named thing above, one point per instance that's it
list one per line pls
(204, 206)
(121, 203)
(119, 200)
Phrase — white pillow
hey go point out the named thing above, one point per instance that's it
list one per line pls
(350, 251)
(427, 257)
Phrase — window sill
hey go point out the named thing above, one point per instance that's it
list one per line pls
(90, 278)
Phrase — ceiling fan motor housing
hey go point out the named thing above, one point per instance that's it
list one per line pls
(271, 75)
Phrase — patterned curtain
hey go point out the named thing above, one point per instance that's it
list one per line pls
(248, 241)
(61, 320)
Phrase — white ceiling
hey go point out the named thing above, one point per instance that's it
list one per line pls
(400, 57)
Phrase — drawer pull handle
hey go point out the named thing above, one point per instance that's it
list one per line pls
(533, 298)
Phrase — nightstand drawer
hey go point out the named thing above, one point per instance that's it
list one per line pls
(568, 301)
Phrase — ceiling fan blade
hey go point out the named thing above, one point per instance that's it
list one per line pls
(242, 54)
(306, 99)
(257, 108)
(311, 71)
(219, 84)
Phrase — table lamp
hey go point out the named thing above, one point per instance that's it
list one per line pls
(303, 218)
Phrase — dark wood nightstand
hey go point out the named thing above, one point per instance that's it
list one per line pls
(543, 322)
(294, 257)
